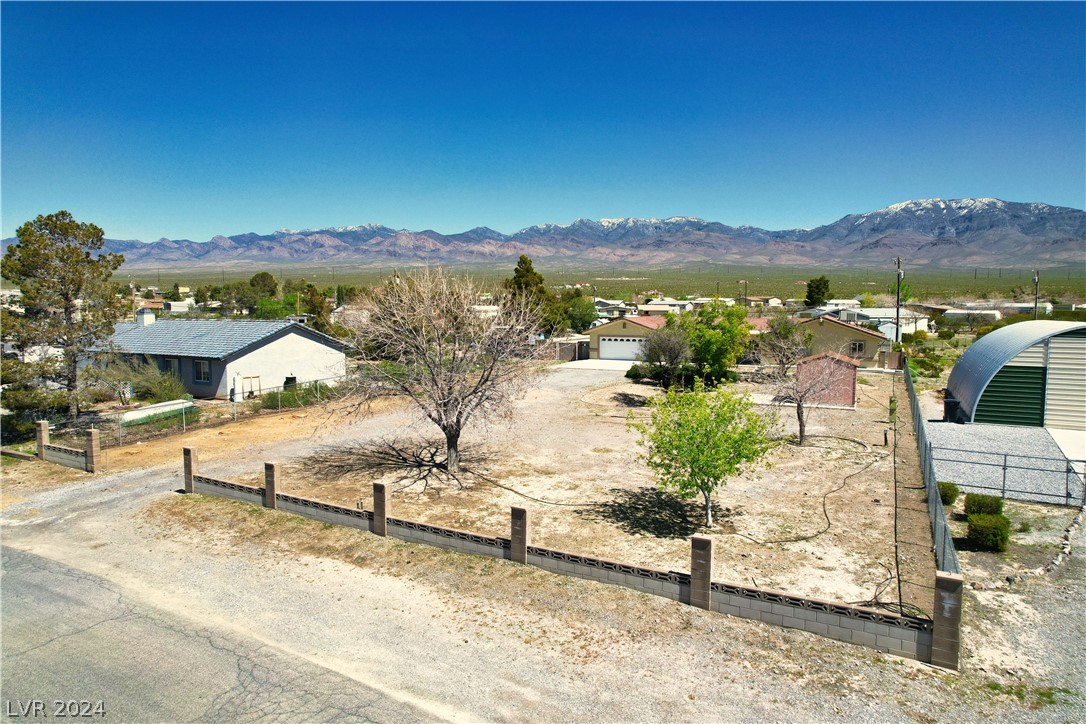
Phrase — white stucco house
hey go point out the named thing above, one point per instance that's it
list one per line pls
(232, 358)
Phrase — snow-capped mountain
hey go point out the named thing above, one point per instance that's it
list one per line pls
(979, 231)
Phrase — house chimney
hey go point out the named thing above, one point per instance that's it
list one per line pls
(145, 317)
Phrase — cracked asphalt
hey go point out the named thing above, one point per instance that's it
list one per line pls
(69, 635)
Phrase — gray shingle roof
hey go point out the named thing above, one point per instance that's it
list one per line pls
(209, 338)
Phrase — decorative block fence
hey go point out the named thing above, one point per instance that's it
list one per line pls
(908, 636)
(86, 459)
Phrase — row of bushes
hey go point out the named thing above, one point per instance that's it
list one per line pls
(684, 377)
(989, 529)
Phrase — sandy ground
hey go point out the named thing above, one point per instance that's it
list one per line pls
(567, 455)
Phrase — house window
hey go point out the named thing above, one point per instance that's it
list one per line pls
(855, 349)
(172, 365)
(201, 369)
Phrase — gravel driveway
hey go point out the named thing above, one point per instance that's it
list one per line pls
(973, 458)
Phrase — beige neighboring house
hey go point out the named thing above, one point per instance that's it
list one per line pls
(868, 347)
(621, 339)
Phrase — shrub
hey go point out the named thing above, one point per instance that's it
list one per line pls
(948, 493)
(920, 335)
(636, 373)
(977, 504)
(989, 532)
(946, 334)
(907, 337)
(1024, 527)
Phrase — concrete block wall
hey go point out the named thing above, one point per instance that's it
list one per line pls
(904, 636)
(223, 489)
(667, 584)
(335, 514)
(454, 540)
(65, 456)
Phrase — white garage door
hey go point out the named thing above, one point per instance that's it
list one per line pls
(620, 347)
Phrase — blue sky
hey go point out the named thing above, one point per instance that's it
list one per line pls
(189, 120)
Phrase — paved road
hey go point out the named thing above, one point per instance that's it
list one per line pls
(69, 635)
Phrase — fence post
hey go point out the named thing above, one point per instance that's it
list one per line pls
(1004, 475)
(271, 484)
(279, 400)
(94, 452)
(701, 571)
(43, 437)
(520, 535)
(184, 425)
(380, 509)
(946, 620)
(191, 468)
(318, 392)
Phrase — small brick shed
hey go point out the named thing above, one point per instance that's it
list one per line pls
(830, 377)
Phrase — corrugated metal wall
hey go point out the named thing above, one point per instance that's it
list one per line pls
(1065, 397)
(1015, 396)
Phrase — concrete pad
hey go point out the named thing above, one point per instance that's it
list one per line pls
(616, 365)
(1071, 442)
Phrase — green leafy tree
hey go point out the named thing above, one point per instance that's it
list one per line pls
(694, 441)
(319, 308)
(527, 284)
(26, 396)
(867, 300)
(265, 285)
(717, 335)
(818, 291)
(70, 302)
(580, 311)
(906, 293)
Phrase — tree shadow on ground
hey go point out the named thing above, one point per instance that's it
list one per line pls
(409, 462)
(651, 511)
(628, 399)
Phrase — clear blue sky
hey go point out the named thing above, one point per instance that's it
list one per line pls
(189, 120)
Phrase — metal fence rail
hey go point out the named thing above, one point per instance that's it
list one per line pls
(946, 557)
(1020, 477)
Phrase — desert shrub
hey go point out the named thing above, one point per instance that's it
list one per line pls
(989, 532)
(985, 329)
(1024, 527)
(907, 337)
(636, 373)
(946, 334)
(294, 396)
(948, 493)
(977, 504)
(920, 335)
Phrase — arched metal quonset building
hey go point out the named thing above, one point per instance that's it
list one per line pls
(1031, 374)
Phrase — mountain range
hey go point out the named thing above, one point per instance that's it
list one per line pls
(981, 232)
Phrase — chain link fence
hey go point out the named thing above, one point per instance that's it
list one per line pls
(946, 557)
(126, 427)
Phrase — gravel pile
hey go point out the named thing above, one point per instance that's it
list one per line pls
(972, 457)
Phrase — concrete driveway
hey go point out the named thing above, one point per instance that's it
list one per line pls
(616, 365)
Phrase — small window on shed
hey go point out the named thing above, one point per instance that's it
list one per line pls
(856, 349)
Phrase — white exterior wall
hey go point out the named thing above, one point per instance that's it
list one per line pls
(1065, 393)
(291, 355)
(1032, 357)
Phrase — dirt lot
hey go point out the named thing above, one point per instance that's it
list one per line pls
(567, 455)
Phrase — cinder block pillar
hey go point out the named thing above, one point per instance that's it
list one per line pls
(380, 509)
(947, 620)
(271, 484)
(43, 437)
(701, 571)
(191, 468)
(520, 535)
(94, 452)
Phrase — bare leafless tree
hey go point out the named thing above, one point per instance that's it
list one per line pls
(665, 350)
(781, 347)
(820, 379)
(427, 336)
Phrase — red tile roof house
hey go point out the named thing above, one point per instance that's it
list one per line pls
(828, 378)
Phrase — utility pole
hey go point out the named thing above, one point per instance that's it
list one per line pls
(1036, 292)
(897, 307)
